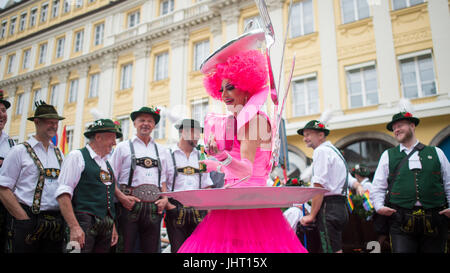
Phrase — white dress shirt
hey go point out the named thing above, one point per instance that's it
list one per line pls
(4, 145)
(20, 174)
(380, 183)
(72, 168)
(187, 182)
(329, 169)
(121, 162)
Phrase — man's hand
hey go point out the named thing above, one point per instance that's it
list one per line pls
(77, 235)
(386, 211)
(161, 203)
(307, 220)
(114, 237)
(128, 201)
(445, 212)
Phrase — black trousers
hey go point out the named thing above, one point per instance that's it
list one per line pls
(143, 221)
(3, 233)
(331, 220)
(180, 223)
(418, 231)
(42, 233)
(97, 232)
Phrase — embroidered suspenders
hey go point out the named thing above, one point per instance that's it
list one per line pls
(36, 206)
(145, 162)
(185, 170)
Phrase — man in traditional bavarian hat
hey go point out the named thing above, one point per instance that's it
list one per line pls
(6, 144)
(86, 190)
(416, 178)
(328, 211)
(28, 181)
(141, 166)
(187, 174)
(361, 173)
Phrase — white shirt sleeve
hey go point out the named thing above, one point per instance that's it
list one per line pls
(116, 162)
(12, 166)
(380, 183)
(320, 168)
(164, 157)
(70, 173)
(445, 172)
(351, 180)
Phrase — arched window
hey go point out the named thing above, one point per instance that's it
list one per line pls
(365, 148)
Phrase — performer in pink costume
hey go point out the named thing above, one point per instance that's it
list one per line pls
(241, 83)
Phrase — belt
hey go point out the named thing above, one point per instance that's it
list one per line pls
(417, 210)
(146, 192)
(335, 198)
(188, 170)
(147, 162)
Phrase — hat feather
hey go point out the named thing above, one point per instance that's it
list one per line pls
(326, 116)
(404, 105)
(97, 114)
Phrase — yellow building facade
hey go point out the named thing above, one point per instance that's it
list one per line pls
(356, 59)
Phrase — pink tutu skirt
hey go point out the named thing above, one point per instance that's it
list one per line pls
(243, 231)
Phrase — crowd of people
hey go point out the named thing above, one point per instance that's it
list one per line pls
(99, 196)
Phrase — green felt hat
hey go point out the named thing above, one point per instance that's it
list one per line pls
(154, 111)
(402, 116)
(6, 103)
(314, 125)
(189, 123)
(103, 126)
(45, 111)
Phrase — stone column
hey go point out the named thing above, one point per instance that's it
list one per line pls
(106, 83)
(11, 91)
(142, 53)
(440, 22)
(45, 82)
(230, 17)
(388, 92)
(178, 78)
(82, 85)
(63, 76)
(328, 53)
(27, 85)
(217, 41)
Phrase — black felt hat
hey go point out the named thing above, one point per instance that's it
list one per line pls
(314, 125)
(45, 111)
(103, 126)
(402, 116)
(6, 103)
(189, 123)
(154, 111)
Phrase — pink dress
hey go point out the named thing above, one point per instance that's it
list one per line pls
(245, 230)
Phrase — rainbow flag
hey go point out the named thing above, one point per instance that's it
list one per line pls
(350, 202)
(63, 142)
(276, 182)
(366, 201)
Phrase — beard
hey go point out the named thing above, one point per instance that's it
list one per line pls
(407, 136)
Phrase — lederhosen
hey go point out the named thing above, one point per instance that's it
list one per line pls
(415, 228)
(143, 221)
(93, 205)
(44, 231)
(333, 216)
(3, 212)
(182, 221)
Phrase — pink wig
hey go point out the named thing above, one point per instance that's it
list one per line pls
(247, 71)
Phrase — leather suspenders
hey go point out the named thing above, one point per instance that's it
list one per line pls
(175, 171)
(344, 189)
(36, 206)
(134, 163)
